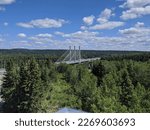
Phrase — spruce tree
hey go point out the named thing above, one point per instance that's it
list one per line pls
(35, 87)
(127, 89)
(29, 90)
(86, 89)
(22, 90)
(10, 82)
(99, 71)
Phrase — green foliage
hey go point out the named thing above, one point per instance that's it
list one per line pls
(112, 85)
(127, 87)
(99, 71)
(9, 85)
(146, 102)
(62, 96)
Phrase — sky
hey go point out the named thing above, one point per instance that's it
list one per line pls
(91, 24)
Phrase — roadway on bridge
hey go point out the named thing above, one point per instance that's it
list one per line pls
(78, 61)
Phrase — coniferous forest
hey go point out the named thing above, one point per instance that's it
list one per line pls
(119, 82)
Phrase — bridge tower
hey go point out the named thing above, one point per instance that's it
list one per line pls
(73, 55)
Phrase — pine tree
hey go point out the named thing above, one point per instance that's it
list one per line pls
(22, 90)
(29, 90)
(127, 89)
(99, 71)
(35, 87)
(86, 89)
(9, 86)
(146, 102)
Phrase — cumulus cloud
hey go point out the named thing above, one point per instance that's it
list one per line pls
(39, 41)
(105, 15)
(135, 3)
(89, 20)
(103, 22)
(43, 23)
(139, 24)
(41, 38)
(130, 39)
(22, 35)
(59, 33)
(6, 2)
(47, 35)
(137, 31)
(2, 8)
(135, 9)
(25, 25)
(135, 12)
(107, 25)
(93, 40)
(80, 34)
(137, 36)
(5, 24)
(1, 40)
(84, 28)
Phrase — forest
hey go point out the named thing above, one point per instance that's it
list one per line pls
(33, 83)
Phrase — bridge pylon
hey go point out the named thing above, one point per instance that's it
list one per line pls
(71, 56)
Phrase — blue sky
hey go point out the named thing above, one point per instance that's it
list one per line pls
(92, 24)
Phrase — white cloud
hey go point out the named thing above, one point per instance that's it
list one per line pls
(1, 40)
(43, 23)
(47, 35)
(107, 25)
(103, 22)
(2, 8)
(135, 9)
(137, 36)
(41, 38)
(135, 3)
(135, 12)
(105, 15)
(134, 38)
(81, 34)
(129, 39)
(25, 25)
(92, 40)
(5, 24)
(139, 24)
(89, 20)
(5, 2)
(59, 33)
(22, 35)
(84, 28)
(137, 31)
(131, 31)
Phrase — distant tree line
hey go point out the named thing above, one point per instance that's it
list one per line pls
(19, 55)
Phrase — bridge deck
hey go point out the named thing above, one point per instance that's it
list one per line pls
(78, 61)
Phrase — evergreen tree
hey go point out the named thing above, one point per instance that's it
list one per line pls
(86, 89)
(146, 102)
(30, 90)
(22, 89)
(10, 82)
(99, 71)
(35, 87)
(127, 89)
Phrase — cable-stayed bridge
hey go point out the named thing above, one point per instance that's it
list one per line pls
(73, 56)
